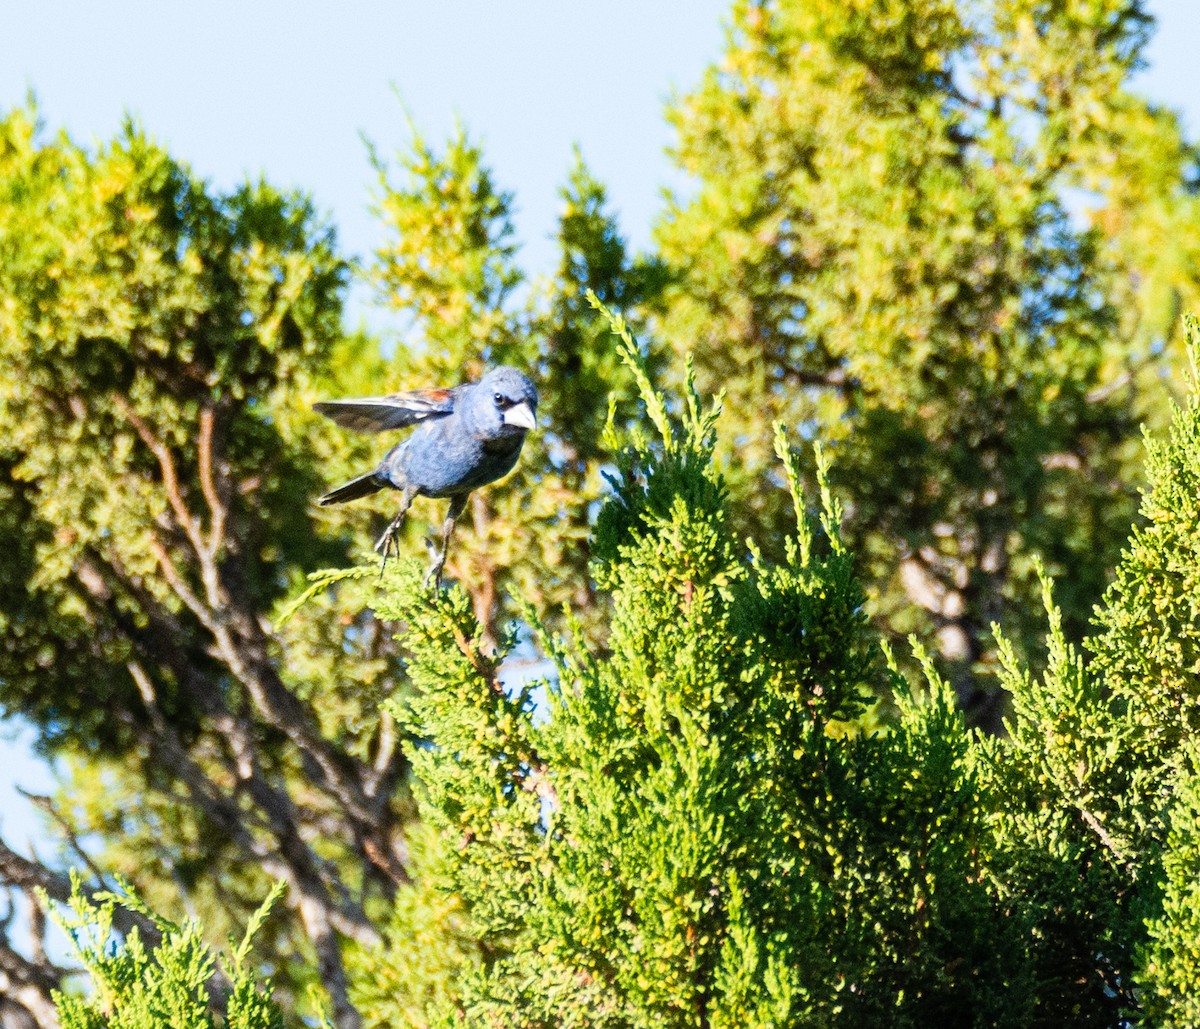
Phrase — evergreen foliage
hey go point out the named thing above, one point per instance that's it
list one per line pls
(696, 831)
(168, 986)
(914, 231)
(1097, 831)
(448, 266)
(413, 980)
(159, 343)
(710, 822)
(1171, 954)
(159, 347)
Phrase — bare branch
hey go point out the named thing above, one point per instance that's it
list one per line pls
(290, 858)
(26, 990)
(166, 463)
(259, 817)
(204, 614)
(157, 638)
(47, 805)
(245, 654)
(37, 933)
(218, 509)
(1113, 847)
(29, 876)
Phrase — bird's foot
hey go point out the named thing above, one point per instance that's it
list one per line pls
(437, 561)
(387, 543)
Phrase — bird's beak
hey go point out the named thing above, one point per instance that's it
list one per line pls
(520, 415)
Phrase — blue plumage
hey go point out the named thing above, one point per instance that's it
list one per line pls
(466, 437)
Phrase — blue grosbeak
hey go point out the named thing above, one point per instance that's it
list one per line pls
(467, 437)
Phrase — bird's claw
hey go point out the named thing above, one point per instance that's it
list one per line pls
(387, 543)
(437, 561)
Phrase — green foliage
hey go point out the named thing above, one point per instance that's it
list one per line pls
(1069, 867)
(168, 986)
(160, 346)
(576, 358)
(1148, 645)
(710, 821)
(448, 264)
(160, 343)
(881, 245)
(413, 979)
(695, 830)
(926, 232)
(1097, 838)
(136, 307)
(1171, 956)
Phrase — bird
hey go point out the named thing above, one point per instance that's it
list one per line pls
(466, 437)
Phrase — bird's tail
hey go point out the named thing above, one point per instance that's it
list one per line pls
(363, 486)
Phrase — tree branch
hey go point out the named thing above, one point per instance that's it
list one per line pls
(166, 463)
(26, 990)
(217, 508)
(64, 826)
(291, 859)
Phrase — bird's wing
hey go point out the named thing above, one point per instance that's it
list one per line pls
(395, 411)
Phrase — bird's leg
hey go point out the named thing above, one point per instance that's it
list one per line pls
(457, 505)
(387, 542)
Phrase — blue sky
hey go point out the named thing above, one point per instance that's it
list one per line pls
(288, 90)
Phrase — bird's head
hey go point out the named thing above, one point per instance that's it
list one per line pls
(502, 405)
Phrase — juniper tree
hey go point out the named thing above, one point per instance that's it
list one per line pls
(691, 828)
(1097, 838)
(161, 346)
(159, 343)
(894, 244)
(920, 230)
(1169, 957)
(704, 825)
(171, 980)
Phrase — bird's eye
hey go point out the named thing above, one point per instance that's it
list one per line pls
(502, 401)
